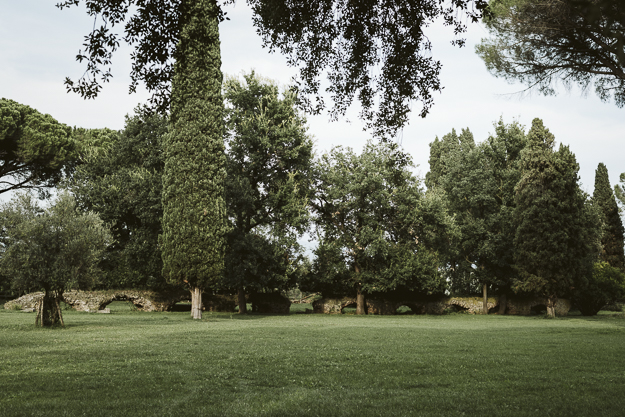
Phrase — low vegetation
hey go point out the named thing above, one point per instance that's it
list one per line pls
(146, 364)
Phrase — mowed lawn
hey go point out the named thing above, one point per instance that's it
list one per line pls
(165, 364)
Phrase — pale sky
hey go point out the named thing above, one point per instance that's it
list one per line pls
(38, 45)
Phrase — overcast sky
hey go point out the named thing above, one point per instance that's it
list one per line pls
(38, 45)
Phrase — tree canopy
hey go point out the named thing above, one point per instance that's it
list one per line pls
(194, 212)
(268, 163)
(373, 50)
(542, 42)
(121, 180)
(612, 239)
(557, 231)
(377, 231)
(34, 148)
(50, 249)
(478, 183)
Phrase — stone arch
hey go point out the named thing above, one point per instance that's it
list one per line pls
(538, 309)
(142, 300)
(347, 303)
(401, 309)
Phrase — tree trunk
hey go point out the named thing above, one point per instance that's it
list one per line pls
(242, 302)
(196, 303)
(48, 311)
(361, 306)
(503, 303)
(551, 306)
(485, 299)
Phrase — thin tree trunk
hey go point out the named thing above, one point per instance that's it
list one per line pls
(39, 307)
(503, 303)
(361, 307)
(58, 309)
(551, 306)
(485, 299)
(242, 302)
(196, 303)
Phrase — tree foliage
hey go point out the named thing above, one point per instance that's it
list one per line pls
(377, 230)
(375, 51)
(194, 214)
(576, 42)
(121, 180)
(348, 40)
(268, 163)
(50, 249)
(35, 149)
(478, 183)
(557, 231)
(612, 240)
(605, 286)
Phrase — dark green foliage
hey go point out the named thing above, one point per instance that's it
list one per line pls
(557, 231)
(373, 50)
(605, 286)
(121, 180)
(377, 230)
(35, 148)
(50, 250)
(267, 187)
(443, 152)
(541, 42)
(612, 240)
(478, 185)
(354, 40)
(194, 215)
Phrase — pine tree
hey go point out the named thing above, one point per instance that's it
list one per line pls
(556, 238)
(612, 239)
(193, 180)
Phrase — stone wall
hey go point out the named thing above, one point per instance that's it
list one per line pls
(25, 302)
(471, 305)
(92, 301)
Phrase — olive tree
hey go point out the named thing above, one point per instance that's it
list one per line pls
(50, 249)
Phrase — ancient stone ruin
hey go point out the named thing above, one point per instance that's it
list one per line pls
(470, 305)
(143, 300)
(274, 303)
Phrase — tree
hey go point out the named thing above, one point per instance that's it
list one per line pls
(377, 230)
(35, 148)
(121, 180)
(268, 162)
(374, 50)
(619, 189)
(478, 183)
(557, 231)
(194, 227)
(606, 285)
(612, 241)
(538, 42)
(51, 249)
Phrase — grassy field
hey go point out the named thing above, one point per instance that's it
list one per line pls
(130, 363)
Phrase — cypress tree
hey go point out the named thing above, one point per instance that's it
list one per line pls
(192, 242)
(556, 238)
(612, 239)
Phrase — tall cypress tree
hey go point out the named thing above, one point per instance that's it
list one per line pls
(556, 238)
(613, 231)
(193, 180)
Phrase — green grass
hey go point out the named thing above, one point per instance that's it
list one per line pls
(131, 363)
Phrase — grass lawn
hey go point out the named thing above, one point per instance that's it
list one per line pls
(130, 363)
